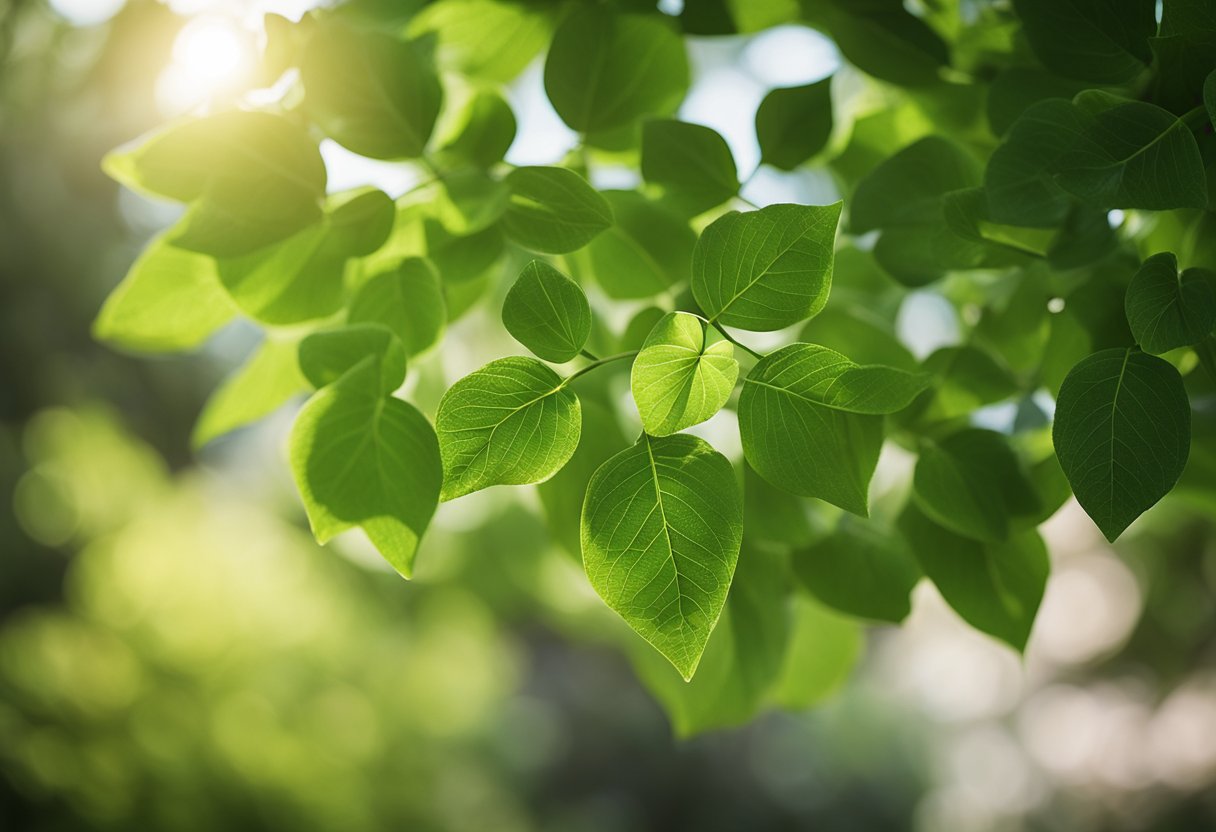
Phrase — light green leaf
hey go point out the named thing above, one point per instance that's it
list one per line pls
(1104, 41)
(483, 131)
(692, 163)
(1166, 309)
(547, 312)
(264, 383)
(362, 459)
(1122, 433)
(463, 202)
(823, 647)
(811, 421)
(972, 483)
(662, 525)
(486, 39)
(553, 210)
(1135, 155)
(605, 70)
(171, 299)
(372, 93)
(296, 280)
(794, 123)
(360, 220)
(512, 422)
(995, 587)
(766, 269)
(328, 355)
(678, 380)
(860, 569)
(647, 250)
(408, 299)
(255, 178)
(742, 660)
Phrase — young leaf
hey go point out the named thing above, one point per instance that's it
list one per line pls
(268, 379)
(1135, 155)
(678, 381)
(171, 299)
(1104, 41)
(547, 312)
(692, 162)
(328, 355)
(794, 123)
(1122, 433)
(1167, 310)
(766, 269)
(553, 210)
(372, 93)
(811, 421)
(662, 524)
(861, 570)
(995, 587)
(605, 70)
(512, 422)
(362, 459)
(972, 483)
(408, 299)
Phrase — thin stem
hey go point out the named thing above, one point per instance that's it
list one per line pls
(731, 338)
(588, 355)
(1195, 117)
(1207, 356)
(597, 363)
(746, 201)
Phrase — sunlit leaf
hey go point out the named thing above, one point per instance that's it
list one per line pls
(547, 312)
(678, 379)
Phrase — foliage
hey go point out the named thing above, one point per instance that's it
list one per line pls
(980, 153)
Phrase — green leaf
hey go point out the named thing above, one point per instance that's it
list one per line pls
(372, 93)
(484, 39)
(995, 587)
(360, 221)
(794, 123)
(362, 459)
(742, 659)
(1122, 433)
(1135, 155)
(811, 421)
(485, 129)
(822, 649)
(860, 569)
(662, 524)
(264, 383)
(645, 252)
(972, 483)
(691, 162)
(1104, 41)
(408, 299)
(255, 178)
(1016, 89)
(1209, 96)
(553, 210)
(907, 188)
(639, 328)
(328, 355)
(766, 269)
(605, 70)
(1167, 309)
(547, 312)
(171, 299)
(463, 202)
(678, 380)
(296, 280)
(1018, 181)
(863, 333)
(512, 422)
(882, 38)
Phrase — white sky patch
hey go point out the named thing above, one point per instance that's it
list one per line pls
(790, 56)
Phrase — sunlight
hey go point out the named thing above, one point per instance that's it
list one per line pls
(211, 56)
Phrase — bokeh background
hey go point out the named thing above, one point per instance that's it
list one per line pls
(176, 652)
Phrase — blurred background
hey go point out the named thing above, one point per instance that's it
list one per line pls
(176, 652)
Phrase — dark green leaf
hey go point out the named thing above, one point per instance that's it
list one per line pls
(1122, 433)
(408, 299)
(794, 123)
(1167, 309)
(553, 210)
(645, 252)
(860, 569)
(907, 188)
(1104, 41)
(692, 163)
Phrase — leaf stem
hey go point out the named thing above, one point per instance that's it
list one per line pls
(1195, 117)
(731, 338)
(599, 362)
(588, 355)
